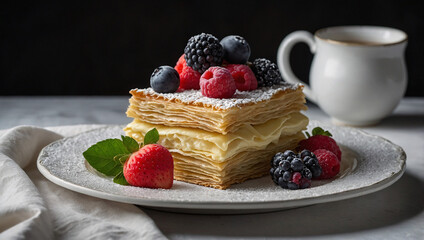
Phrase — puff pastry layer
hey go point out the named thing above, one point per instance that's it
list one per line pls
(220, 142)
(217, 160)
(190, 109)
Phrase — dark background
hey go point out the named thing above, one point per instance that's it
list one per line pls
(109, 47)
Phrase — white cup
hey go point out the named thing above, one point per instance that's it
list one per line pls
(358, 75)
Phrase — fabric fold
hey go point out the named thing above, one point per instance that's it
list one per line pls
(32, 207)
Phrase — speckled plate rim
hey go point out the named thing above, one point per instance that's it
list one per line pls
(229, 207)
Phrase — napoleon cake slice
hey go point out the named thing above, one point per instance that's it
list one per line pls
(220, 142)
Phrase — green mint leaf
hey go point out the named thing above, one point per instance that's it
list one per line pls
(320, 131)
(327, 133)
(101, 156)
(151, 136)
(131, 144)
(120, 179)
(317, 131)
(121, 158)
(308, 135)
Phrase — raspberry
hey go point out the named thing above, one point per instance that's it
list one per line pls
(152, 166)
(329, 163)
(254, 84)
(217, 82)
(320, 142)
(189, 79)
(180, 64)
(243, 76)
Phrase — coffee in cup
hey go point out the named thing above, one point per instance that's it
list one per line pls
(358, 74)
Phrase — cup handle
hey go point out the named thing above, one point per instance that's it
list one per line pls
(283, 58)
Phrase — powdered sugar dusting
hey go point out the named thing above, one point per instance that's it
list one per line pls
(239, 99)
(62, 162)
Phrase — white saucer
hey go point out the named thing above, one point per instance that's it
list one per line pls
(369, 163)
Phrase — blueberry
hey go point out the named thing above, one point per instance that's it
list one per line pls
(275, 162)
(236, 49)
(165, 79)
(289, 153)
(314, 161)
(282, 183)
(271, 171)
(287, 176)
(316, 170)
(305, 153)
(278, 172)
(297, 165)
(310, 161)
(285, 165)
(306, 173)
(307, 160)
(292, 186)
(276, 159)
(305, 184)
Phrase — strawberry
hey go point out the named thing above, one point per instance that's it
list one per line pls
(145, 164)
(329, 163)
(152, 166)
(320, 139)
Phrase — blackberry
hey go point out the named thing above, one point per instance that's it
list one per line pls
(266, 72)
(203, 51)
(294, 171)
(277, 159)
(311, 162)
(297, 164)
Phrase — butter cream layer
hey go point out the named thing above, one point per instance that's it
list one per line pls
(219, 147)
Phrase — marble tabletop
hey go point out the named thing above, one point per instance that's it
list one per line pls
(396, 212)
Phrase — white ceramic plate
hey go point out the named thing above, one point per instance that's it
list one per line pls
(369, 163)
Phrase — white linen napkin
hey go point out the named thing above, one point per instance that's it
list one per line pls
(32, 207)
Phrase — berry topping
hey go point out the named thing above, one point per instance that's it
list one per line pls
(305, 183)
(152, 166)
(311, 162)
(189, 79)
(203, 51)
(217, 82)
(294, 171)
(289, 153)
(236, 49)
(165, 79)
(320, 139)
(266, 72)
(180, 64)
(297, 164)
(329, 163)
(296, 177)
(243, 76)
